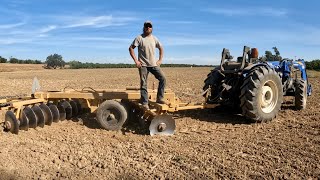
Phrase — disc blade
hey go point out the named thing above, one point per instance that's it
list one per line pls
(47, 114)
(74, 108)
(39, 114)
(162, 125)
(33, 120)
(55, 113)
(11, 123)
(77, 101)
(24, 121)
(66, 105)
(62, 112)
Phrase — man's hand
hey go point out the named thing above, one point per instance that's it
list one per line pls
(138, 64)
(159, 62)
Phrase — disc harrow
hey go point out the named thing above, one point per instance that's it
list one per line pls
(113, 108)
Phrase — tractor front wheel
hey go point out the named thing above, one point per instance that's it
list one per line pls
(300, 94)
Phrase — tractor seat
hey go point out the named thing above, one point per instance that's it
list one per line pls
(231, 65)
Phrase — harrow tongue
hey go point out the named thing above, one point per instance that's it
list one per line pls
(162, 125)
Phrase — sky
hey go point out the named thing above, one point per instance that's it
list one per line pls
(191, 32)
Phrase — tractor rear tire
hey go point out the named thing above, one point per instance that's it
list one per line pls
(212, 78)
(261, 95)
(300, 98)
(111, 115)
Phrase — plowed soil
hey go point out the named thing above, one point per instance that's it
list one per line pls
(206, 145)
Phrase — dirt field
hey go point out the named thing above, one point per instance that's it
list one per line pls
(206, 145)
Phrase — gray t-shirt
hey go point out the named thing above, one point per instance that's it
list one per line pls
(147, 49)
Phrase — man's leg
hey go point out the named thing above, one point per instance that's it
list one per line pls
(143, 85)
(156, 71)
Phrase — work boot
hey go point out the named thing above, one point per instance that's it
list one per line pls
(146, 106)
(161, 101)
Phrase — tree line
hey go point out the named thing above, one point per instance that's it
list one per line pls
(272, 57)
(19, 61)
(80, 65)
(310, 65)
(313, 65)
(54, 61)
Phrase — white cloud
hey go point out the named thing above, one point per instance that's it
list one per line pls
(91, 21)
(103, 39)
(47, 29)
(96, 21)
(273, 12)
(252, 11)
(9, 26)
(43, 35)
(251, 36)
(176, 41)
(17, 3)
(37, 33)
(10, 41)
(181, 22)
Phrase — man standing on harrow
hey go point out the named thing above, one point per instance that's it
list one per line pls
(146, 62)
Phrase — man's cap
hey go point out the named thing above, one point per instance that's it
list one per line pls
(147, 23)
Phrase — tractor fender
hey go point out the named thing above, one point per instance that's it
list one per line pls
(252, 67)
(300, 64)
(302, 67)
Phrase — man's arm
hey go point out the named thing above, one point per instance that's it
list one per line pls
(132, 54)
(159, 62)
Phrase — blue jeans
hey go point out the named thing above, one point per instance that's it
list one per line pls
(158, 74)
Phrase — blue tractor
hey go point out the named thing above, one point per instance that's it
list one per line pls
(255, 87)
